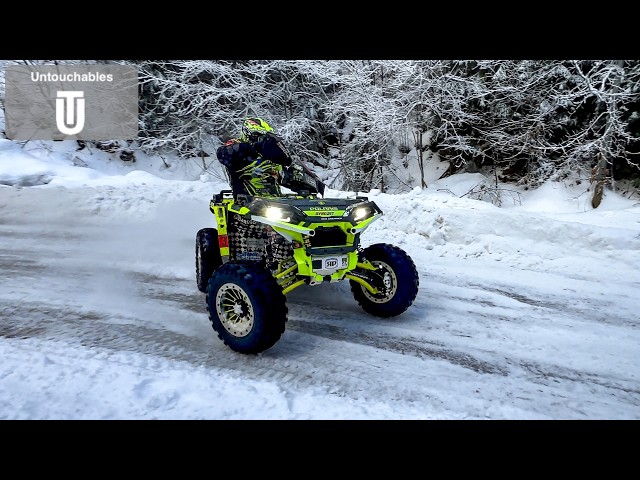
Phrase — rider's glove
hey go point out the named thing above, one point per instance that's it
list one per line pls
(296, 172)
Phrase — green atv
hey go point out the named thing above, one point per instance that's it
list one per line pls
(265, 247)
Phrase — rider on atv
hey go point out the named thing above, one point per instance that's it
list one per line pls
(258, 162)
(267, 243)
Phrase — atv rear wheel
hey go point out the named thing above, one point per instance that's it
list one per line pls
(400, 278)
(246, 306)
(208, 257)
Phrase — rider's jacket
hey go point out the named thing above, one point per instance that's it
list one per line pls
(254, 167)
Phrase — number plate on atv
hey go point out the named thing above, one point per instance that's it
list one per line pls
(326, 265)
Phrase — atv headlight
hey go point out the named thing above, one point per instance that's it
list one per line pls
(277, 214)
(361, 211)
(281, 213)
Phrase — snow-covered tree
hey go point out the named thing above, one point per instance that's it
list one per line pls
(362, 123)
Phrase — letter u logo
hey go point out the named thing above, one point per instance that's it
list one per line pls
(73, 121)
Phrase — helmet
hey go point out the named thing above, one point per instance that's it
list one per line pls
(253, 128)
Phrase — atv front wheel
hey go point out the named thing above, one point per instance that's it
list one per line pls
(207, 256)
(246, 306)
(400, 278)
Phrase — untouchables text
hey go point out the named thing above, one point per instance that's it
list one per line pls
(71, 77)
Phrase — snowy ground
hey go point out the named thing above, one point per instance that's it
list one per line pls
(525, 311)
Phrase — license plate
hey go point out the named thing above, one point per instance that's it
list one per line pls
(335, 262)
(329, 264)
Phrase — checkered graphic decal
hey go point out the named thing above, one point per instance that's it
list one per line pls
(250, 240)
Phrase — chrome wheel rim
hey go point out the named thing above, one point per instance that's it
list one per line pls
(234, 309)
(390, 282)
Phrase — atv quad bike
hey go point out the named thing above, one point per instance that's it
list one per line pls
(265, 247)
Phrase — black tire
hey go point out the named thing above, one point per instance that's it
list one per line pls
(208, 257)
(401, 276)
(247, 308)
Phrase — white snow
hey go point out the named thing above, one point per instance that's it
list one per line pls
(528, 310)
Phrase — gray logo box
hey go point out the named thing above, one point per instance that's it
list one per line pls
(62, 102)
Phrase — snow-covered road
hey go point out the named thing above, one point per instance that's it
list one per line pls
(520, 315)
